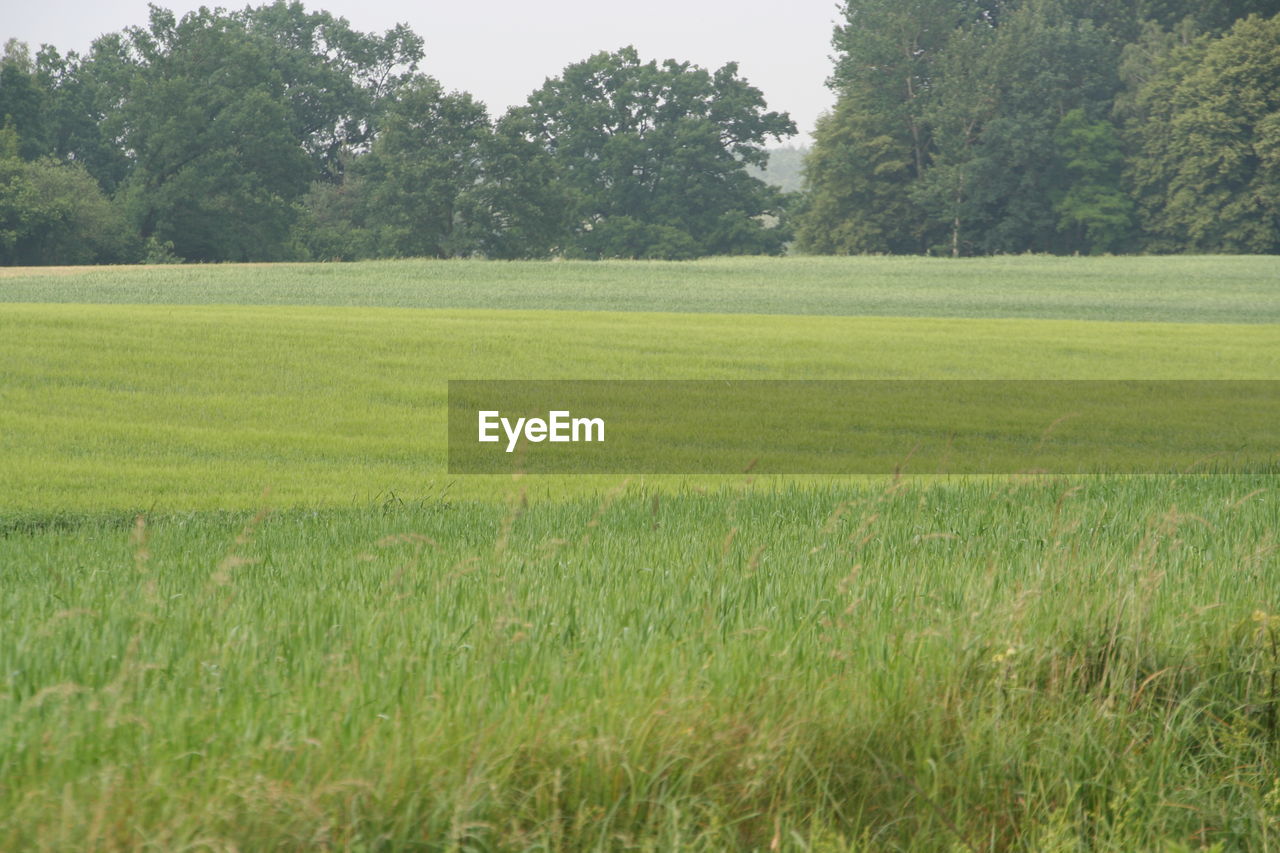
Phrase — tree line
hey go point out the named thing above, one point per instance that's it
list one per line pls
(961, 127)
(277, 133)
(970, 127)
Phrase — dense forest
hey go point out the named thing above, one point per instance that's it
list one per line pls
(961, 127)
(1060, 126)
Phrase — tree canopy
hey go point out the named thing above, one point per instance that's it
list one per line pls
(1206, 128)
(961, 127)
(1047, 126)
(653, 157)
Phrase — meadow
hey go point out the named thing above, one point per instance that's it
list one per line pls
(243, 607)
(1217, 289)
(186, 407)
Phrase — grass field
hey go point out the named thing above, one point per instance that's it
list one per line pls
(180, 407)
(1040, 666)
(1220, 289)
(375, 656)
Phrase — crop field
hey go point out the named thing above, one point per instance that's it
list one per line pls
(243, 606)
(1219, 289)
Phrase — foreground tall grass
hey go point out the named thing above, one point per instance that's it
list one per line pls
(1014, 664)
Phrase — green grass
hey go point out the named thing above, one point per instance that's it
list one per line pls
(387, 658)
(1021, 665)
(1219, 289)
(178, 407)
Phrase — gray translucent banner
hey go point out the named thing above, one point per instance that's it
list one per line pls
(863, 427)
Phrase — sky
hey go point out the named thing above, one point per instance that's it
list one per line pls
(500, 50)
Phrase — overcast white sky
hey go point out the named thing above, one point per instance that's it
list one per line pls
(500, 51)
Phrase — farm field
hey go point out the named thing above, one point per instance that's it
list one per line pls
(185, 407)
(244, 607)
(1213, 289)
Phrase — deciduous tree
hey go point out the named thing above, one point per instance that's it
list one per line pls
(424, 162)
(228, 117)
(653, 157)
(54, 213)
(1207, 129)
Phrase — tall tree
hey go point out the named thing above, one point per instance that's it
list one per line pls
(654, 157)
(886, 54)
(999, 88)
(425, 161)
(857, 174)
(1207, 128)
(877, 143)
(521, 208)
(23, 101)
(228, 117)
(1092, 207)
(1045, 62)
(960, 181)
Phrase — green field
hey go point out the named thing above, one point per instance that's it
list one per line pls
(243, 607)
(1219, 289)
(184, 407)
